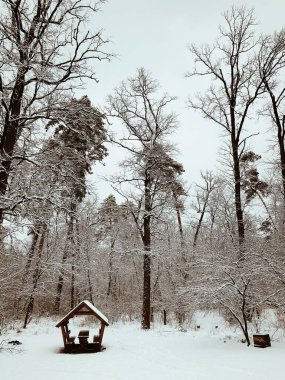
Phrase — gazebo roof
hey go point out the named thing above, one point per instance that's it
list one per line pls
(84, 308)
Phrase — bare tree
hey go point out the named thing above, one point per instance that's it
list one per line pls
(271, 61)
(77, 142)
(147, 126)
(45, 52)
(230, 62)
(225, 284)
(203, 195)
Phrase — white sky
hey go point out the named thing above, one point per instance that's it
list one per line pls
(155, 34)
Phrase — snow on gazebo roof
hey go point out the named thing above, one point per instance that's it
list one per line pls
(90, 308)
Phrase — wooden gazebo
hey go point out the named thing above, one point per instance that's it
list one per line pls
(85, 343)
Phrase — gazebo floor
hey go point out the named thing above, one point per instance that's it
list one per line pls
(74, 348)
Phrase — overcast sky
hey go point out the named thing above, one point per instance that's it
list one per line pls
(154, 34)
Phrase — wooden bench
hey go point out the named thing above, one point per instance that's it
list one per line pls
(69, 339)
(96, 338)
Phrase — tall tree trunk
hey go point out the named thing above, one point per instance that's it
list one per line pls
(200, 223)
(237, 189)
(36, 276)
(72, 285)
(66, 252)
(88, 266)
(212, 227)
(11, 131)
(36, 233)
(280, 124)
(181, 234)
(146, 311)
(90, 288)
(110, 271)
(74, 256)
(179, 221)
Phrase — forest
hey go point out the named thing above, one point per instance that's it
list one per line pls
(156, 248)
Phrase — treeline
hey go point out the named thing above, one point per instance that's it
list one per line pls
(161, 249)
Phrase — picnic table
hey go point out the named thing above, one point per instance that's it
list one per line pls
(83, 336)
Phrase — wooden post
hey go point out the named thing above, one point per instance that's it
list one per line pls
(101, 333)
(164, 317)
(63, 334)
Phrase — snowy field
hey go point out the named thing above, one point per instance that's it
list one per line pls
(163, 353)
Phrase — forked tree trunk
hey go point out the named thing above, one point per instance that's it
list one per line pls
(199, 223)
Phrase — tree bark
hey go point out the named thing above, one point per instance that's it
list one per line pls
(90, 288)
(200, 223)
(110, 289)
(36, 277)
(146, 312)
(66, 252)
(11, 132)
(179, 221)
(237, 190)
(280, 137)
(36, 234)
(72, 290)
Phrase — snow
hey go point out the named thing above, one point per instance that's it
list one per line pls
(162, 353)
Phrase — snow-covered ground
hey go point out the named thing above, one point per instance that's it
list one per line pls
(163, 353)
